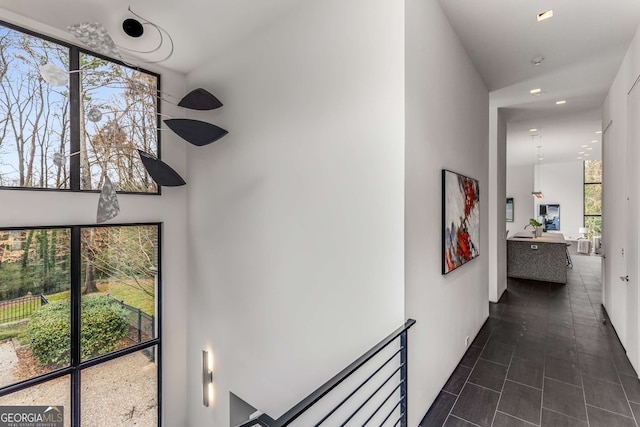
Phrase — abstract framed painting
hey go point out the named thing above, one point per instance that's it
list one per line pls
(460, 220)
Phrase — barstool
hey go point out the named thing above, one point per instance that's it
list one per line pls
(569, 262)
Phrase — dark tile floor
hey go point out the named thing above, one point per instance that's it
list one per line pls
(545, 357)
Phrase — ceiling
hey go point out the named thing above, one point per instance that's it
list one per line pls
(583, 46)
(194, 25)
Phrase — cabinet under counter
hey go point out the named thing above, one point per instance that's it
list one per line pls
(538, 258)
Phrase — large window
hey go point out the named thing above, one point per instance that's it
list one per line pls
(593, 197)
(72, 136)
(79, 325)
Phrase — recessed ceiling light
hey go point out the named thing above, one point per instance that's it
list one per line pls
(540, 158)
(561, 102)
(598, 132)
(594, 141)
(584, 146)
(579, 158)
(545, 15)
(533, 130)
(587, 155)
(581, 152)
(590, 148)
(535, 91)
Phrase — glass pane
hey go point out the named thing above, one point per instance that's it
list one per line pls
(592, 199)
(121, 392)
(34, 307)
(119, 116)
(34, 116)
(119, 288)
(594, 225)
(55, 393)
(592, 171)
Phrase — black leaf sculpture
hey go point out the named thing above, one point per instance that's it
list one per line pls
(161, 172)
(200, 99)
(196, 132)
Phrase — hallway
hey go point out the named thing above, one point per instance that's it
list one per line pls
(543, 358)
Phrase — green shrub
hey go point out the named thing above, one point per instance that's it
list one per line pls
(103, 324)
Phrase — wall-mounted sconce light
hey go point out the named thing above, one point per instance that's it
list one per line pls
(207, 378)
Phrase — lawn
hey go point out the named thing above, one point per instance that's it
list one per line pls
(129, 293)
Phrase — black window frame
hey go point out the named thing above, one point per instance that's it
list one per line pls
(77, 365)
(584, 186)
(74, 113)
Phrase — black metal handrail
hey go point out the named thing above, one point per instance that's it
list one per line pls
(288, 417)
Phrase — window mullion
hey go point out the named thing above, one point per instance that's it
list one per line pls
(76, 274)
(74, 119)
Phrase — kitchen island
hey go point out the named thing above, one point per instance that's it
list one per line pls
(537, 258)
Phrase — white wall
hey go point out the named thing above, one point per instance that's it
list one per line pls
(447, 126)
(297, 216)
(562, 183)
(519, 186)
(497, 199)
(620, 182)
(44, 208)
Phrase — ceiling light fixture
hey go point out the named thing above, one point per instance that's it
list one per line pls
(590, 148)
(598, 132)
(533, 130)
(561, 102)
(545, 15)
(535, 91)
(579, 158)
(584, 146)
(594, 141)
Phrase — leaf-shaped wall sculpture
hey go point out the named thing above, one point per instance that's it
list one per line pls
(108, 206)
(54, 75)
(161, 172)
(196, 132)
(200, 99)
(96, 38)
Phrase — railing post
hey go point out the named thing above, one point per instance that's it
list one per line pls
(403, 379)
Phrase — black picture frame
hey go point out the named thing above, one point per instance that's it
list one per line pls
(510, 209)
(460, 220)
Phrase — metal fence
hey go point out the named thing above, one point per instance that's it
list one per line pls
(141, 325)
(20, 308)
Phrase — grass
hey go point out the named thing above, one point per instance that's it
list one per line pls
(131, 295)
(18, 331)
(128, 292)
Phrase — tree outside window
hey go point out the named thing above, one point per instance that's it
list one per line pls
(593, 197)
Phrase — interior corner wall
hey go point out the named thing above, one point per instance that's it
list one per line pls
(297, 216)
(447, 127)
(519, 187)
(620, 188)
(46, 208)
(497, 202)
